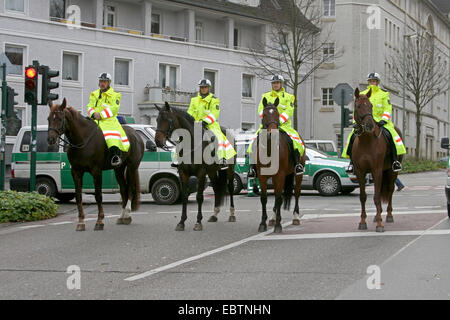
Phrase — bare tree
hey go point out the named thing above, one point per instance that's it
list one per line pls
(292, 47)
(427, 75)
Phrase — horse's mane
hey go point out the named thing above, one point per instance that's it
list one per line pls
(183, 114)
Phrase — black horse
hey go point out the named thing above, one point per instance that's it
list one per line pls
(170, 119)
(88, 152)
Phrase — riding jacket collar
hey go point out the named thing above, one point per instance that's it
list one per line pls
(277, 93)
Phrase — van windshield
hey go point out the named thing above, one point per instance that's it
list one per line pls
(42, 145)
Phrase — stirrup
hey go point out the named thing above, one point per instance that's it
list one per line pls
(397, 166)
(299, 169)
(252, 173)
(174, 164)
(116, 161)
(349, 169)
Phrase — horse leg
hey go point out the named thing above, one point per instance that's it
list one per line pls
(232, 217)
(274, 216)
(392, 177)
(213, 179)
(298, 187)
(78, 179)
(362, 199)
(98, 198)
(125, 217)
(185, 195)
(278, 202)
(263, 198)
(378, 177)
(201, 185)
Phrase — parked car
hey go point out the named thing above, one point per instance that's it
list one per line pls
(326, 146)
(323, 173)
(445, 145)
(54, 178)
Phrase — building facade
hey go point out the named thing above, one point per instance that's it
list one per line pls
(360, 50)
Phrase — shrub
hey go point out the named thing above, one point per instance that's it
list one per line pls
(413, 165)
(24, 206)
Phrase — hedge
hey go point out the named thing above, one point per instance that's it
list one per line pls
(24, 206)
(413, 166)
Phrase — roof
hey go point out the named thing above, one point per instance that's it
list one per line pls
(442, 5)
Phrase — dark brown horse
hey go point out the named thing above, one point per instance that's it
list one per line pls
(370, 155)
(283, 179)
(171, 119)
(88, 152)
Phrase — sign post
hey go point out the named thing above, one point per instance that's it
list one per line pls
(3, 140)
(343, 95)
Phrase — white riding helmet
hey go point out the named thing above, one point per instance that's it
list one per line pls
(204, 83)
(277, 78)
(105, 76)
(373, 76)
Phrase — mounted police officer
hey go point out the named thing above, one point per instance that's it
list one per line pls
(382, 115)
(205, 107)
(104, 105)
(286, 111)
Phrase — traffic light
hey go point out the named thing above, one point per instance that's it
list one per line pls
(31, 84)
(10, 102)
(348, 117)
(48, 85)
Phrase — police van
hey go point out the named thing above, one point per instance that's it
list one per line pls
(54, 178)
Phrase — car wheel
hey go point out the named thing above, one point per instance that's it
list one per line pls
(46, 187)
(348, 190)
(328, 184)
(65, 197)
(237, 184)
(165, 191)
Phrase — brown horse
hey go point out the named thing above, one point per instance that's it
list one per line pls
(171, 119)
(88, 152)
(284, 177)
(370, 155)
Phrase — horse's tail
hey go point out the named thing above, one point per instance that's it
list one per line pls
(288, 188)
(221, 186)
(134, 189)
(387, 185)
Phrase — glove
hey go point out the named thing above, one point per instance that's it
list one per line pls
(381, 123)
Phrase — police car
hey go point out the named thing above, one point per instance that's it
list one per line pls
(54, 178)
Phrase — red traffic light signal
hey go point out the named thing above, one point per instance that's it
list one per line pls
(30, 72)
(31, 84)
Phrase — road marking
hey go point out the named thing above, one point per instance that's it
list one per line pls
(427, 207)
(337, 215)
(354, 234)
(33, 226)
(200, 256)
(60, 223)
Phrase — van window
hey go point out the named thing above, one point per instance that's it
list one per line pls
(311, 145)
(42, 145)
(326, 147)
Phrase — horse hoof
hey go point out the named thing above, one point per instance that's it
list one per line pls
(380, 229)
(295, 222)
(127, 221)
(232, 219)
(277, 229)
(99, 227)
(362, 226)
(390, 219)
(81, 227)
(198, 227)
(271, 223)
(212, 219)
(119, 221)
(262, 228)
(180, 227)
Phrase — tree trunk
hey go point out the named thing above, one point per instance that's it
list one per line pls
(418, 134)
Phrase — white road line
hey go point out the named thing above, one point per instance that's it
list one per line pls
(200, 256)
(427, 207)
(33, 226)
(354, 234)
(60, 223)
(337, 215)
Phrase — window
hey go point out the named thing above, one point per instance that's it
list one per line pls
(168, 76)
(329, 8)
(211, 76)
(57, 9)
(70, 68)
(328, 52)
(246, 126)
(109, 17)
(41, 142)
(236, 38)
(247, 86)
(156, 23)
(15, 55)
(198, 31)
(327, 97)
(15, 5)
(122, 72)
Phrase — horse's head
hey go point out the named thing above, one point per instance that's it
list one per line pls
(271, 117)
(363, 111)
(56, 121)
(165, 124)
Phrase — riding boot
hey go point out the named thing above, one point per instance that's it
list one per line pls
(116, 158)
(396, 165)
(223, 164)
(299, 169)
(252, 172)
(350, 169)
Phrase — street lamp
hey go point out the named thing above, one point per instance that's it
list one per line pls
(404, 83)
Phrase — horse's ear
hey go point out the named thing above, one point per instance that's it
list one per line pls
(157, 107)
(64, 104)
(369, 93)
(167, 106)
(357, 93)
(277, 102)
(264, 102)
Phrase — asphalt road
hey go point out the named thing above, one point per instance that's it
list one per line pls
(326, 257)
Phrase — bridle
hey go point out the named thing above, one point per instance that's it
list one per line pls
(275, 122)
(61, 131)
(167, 133)
(360, 127)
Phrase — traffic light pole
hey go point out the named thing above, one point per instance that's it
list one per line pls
(342, 119)
(33, 140)
(3, 132)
